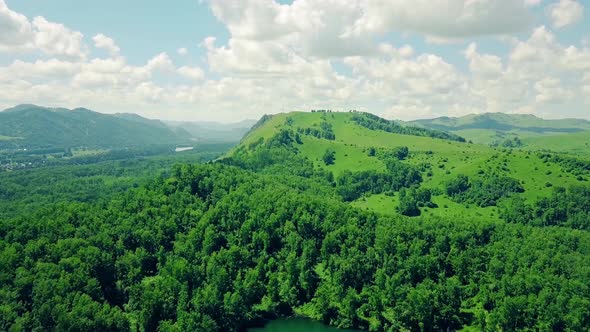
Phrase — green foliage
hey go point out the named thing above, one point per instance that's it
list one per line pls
(352, 185)
(374, 122)
(571, 165)
(510, 143)
(39, 127)
(398, 153)
(568, 208)
(329, 157)
(213, 248)
(325, 131)
(483, 192)
(266, 233)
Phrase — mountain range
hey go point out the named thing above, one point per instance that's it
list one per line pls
(495, 128)
(33, 127)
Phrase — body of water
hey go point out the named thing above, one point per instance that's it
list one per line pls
(297, 325)
(180, 149)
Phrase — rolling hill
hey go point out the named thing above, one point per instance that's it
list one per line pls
(500, 128)
(357, 147)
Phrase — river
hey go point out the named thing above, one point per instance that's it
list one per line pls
(297, 325)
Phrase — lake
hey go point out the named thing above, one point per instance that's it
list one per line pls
(180, 149)
(297, 325)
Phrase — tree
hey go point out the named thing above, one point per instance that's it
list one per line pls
(329, 157)
(408, 204)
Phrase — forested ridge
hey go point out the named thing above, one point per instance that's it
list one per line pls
(266, 233)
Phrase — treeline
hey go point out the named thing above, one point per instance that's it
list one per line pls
(567, 208)
(353, 185)
(24, 191)
(325, 131)
(578, 167)
(374, 122)
(484, 191)
(218, 248)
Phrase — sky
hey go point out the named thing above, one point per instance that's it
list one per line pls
(229, 60)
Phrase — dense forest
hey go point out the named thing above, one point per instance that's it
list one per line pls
(142, 245)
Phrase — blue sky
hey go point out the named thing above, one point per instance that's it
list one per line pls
(250, 57)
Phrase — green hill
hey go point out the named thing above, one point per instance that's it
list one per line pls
(503, 129)
(357, 148)
(344, 218)
(30, 126)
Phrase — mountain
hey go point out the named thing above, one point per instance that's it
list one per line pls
(497, 128)
(214, 131)
(30, 126)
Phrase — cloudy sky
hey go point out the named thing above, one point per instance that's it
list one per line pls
(228, 60)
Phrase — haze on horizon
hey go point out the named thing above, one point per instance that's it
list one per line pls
(223, 60)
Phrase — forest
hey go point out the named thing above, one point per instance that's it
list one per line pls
(182, 244)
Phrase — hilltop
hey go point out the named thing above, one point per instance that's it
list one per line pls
(356, 144)
(515, 130)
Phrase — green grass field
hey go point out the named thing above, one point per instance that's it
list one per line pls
(447, 160)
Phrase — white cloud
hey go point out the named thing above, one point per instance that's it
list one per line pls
(19, 34)
(447, 19)
(565, 12)
(160, 62)
(485, 65)
(56, 39)
(16, 30)
(194, 73)
(550, 90)
(104, 42)
(314, 54)
(532, 3)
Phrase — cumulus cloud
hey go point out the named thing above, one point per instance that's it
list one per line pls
(106, 43)
(315, 54)
(446, 19)
(160, 62)
(194, 73)
(550, 90)
(19, 34)
(565, 12)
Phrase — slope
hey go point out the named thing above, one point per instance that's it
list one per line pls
(29, 126)
(357, 148)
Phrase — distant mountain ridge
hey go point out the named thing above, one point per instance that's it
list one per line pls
(502, 121)
(492, 128)
(214, 131)
(32, 126)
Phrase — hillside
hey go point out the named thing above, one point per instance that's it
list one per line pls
(357, 148)
(499, 128)
(344, 218)
(29, 126)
